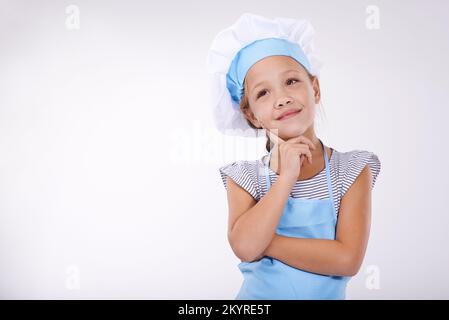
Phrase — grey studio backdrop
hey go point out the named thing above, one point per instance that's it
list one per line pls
(109, 181)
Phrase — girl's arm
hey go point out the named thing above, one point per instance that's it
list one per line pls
(251, 225)
(343, 256)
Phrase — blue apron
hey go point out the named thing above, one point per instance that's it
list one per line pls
(269, 278)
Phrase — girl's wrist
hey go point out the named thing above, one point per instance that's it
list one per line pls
(287, 179)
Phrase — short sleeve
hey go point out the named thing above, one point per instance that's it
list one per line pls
(357, 161)
(240, 172)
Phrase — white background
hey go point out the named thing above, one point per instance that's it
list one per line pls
(109, 181)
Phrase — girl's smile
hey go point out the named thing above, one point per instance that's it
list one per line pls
(289, 114)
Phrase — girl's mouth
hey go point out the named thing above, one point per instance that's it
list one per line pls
(290, 115)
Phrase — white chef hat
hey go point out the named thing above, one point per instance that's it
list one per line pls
(235, 49)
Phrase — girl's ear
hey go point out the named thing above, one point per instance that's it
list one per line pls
(316, 89)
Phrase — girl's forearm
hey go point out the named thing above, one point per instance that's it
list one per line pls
(329, 257)
(255, 229)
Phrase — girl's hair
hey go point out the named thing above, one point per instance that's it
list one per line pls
(244, 105)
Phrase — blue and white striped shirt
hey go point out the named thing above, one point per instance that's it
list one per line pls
(344, 169)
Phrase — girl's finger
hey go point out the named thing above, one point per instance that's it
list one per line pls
(278, 140)
(301, 139)
(306, 157)
(303, 151)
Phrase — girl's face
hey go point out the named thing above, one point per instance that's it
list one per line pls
(276, 84)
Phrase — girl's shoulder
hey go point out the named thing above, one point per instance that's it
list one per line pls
(351, 163)
(246, 173)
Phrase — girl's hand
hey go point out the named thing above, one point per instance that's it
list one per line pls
(291, 154)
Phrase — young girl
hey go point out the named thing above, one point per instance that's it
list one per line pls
(299, 217)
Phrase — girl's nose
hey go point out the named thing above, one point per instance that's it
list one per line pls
(284, 101)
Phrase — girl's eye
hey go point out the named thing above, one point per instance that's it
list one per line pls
(259, 94)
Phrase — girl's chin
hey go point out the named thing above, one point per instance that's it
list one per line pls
(291, 131)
